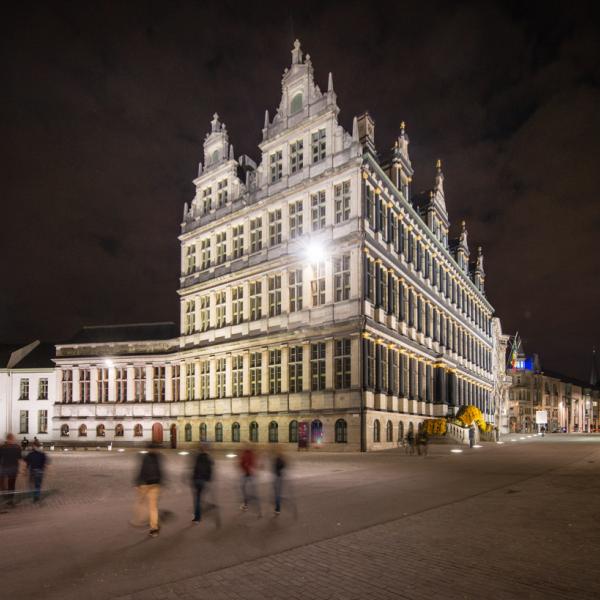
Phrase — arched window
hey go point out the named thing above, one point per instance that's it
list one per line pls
(296, 104)
(316, 432)
(341, 431)
(293, 432)
(400, 431)
(82, 430)
(273, 432)
(203, 432)
(119, 431)
(138, 430)
(64, 430)
(219, 432)
(188, 432)
(100, 431)
(411, 427)
(254, 431)
(235, 432)
(215, 157)
(389, 432)
(376, 431)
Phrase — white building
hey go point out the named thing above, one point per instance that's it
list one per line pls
(27, 391)
(319, 299)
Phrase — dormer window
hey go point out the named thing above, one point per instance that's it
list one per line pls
(318, 145)
(296, 156)
(222, 193)
(206, 200)
(296, 104)
(276, 166)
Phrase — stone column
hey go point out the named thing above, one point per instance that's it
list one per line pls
(306, 366)
(246, 373)
(94, 384)
(149, 383)
(112, 390)
(329, 366)
(285, 379)
(355, 361)
(130, 386)
(213, 377)
(168, 382)
(265, 370)
(76, 394)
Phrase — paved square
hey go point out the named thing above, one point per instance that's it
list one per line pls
(518, 520)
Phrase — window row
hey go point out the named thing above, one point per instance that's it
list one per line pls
(290, 160)
(42, 391)
(251, 236)
(408, 244)
(264, 297)
(82, 430)
(212, 197)
(42, 421)
(387, 291)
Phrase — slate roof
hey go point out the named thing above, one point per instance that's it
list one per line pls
(133, 332)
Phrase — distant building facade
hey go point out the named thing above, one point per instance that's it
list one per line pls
(320, 299)
(27, 391)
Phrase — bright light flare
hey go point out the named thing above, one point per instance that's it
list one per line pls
(315, 253)
(183, 453)
(500, 442)
(121, 450)
(108, 362)
(477, 446)
(230, 455)
(143, 451)
(456, 450)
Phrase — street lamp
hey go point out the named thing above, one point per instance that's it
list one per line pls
(314, 252)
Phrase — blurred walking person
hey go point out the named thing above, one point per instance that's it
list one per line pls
(148, 489)
(202, 474)
(248, 468)
(279, 466)
(10, 457)
(36, 462)
(410, 440)
(422, 441)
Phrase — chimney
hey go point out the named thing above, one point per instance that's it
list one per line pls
(366, 132)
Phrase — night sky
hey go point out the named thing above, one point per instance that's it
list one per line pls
(104, 108)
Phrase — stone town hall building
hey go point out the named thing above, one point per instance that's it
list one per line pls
(319, 299)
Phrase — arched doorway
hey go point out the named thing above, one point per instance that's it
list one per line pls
(157, 433)
(173, 434)
(316, 432)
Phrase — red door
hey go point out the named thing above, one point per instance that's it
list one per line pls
(157, 433)
(173, 431)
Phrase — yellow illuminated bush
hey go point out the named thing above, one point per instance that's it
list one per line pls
(435, 426)
(467, 415)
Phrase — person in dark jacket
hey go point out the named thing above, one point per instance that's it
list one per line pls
(148, 488)
(36, 462)
(278, 470)
(10, 457)
(202, 473)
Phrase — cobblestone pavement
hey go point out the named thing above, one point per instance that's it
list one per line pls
(511, 521)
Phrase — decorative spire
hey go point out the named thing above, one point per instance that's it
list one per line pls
(355, 130)
(230, 151)
(402, 128)
(296, 53)
(266, 119)
(439, 177)
(215, 123)
(330, 83)
(479, 264)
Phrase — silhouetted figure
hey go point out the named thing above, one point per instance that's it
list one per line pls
(422, 442)
(248, 468)
(410, 440)
(36, 462)
(24, 443)
(10, 455)
(148, 488)
(278, 470)
(471, 436)
(202, 473)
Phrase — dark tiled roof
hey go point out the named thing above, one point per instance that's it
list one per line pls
(39, 358)
(137, 332)
(5, 351)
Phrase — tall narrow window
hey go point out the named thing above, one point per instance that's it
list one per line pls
(221, 372)
(343, 366)
(205, 254)
(121, 384)
(318, 145)
(158, 384)
(317, 366)
(237, 235)
(204, 313)
(370, 279)
(237, 304)
(370, 206)
(204, 391)
(140, 383)
(384, 368)
(274, 295)
(175, 382)
(42, 421)
(296, 156)
(275, 371)
(255, 373)
(190, 259)
(341, 271)
(102, 385)
(237, 375)
(24, 421)
(84, 385)
(370, 352)
(255, 300)
(24, 389)
(295, 289)
(220, 302)
(275, 227)
(190, 317)
(221, 247)
(206, 200)
(222, 193)
(296, 225)
(190, 384)
(276, 166)
(43, 389)
(255, 235)
(318, 284)
(295, 369)
(341, 193)
(317, 207)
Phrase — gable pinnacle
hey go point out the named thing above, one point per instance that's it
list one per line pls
(296, 53)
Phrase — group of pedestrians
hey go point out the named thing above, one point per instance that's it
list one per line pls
(416, 443)
(150, 475)
(14, 463)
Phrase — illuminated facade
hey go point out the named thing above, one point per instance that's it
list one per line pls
(319, 299)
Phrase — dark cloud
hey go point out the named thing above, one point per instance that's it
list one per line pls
(103, 113)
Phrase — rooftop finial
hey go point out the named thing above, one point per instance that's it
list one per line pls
(296, 53)
(402, 127)
(266, 119)
(355, 137)
(215, 124)
(330, 83)
(438, 164)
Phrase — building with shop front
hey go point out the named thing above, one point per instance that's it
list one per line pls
(27, 391)
(320, 299)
